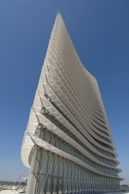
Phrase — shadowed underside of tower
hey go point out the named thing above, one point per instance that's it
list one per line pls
(68, 145)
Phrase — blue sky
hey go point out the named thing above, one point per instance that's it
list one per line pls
(99, 30)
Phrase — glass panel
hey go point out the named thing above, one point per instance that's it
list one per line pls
(64, 185)
(51, 163)
(60, 185)
(56, 161)
(65, 169)
(67, 186)
(55, 185)
(61, 168)
(40, 184)
(44, 162)
(49, 185)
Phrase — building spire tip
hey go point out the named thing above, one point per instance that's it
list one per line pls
(58, 12)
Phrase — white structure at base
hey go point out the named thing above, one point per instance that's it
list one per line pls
(68, 145)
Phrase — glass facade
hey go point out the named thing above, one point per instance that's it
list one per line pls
(56, 174)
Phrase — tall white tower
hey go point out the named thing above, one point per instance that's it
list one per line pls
(68, 144)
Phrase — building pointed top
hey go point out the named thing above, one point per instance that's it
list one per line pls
(58, 12)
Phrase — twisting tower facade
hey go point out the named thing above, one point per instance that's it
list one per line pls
(68, 145)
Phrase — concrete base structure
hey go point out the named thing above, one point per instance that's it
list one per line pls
(68, 144)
